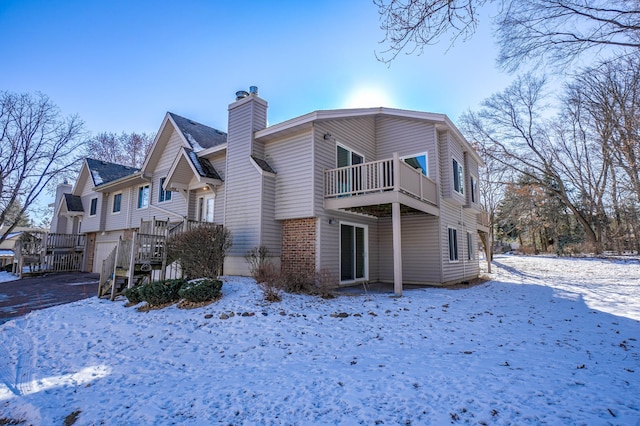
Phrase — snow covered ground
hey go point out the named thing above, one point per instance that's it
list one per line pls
(547, 341)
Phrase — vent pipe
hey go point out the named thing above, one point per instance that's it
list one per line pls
(241, 94)
(253, 90)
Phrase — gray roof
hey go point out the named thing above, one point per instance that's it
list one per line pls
(198, 135)
(74, 203)
(202, 165)
(263, 164)
(103, 172)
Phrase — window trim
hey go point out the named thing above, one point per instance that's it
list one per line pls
(93, 207)
(454, 252)
(163, 196)
(426, 160)
(140, 193)
(458, 175)
(113, 206)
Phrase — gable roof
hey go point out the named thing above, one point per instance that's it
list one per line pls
(202, 165)
(104, 172)
(73, 202)
(198, 136)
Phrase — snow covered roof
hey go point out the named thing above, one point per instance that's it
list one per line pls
(202, 165)
(103, 172)
(198, 135)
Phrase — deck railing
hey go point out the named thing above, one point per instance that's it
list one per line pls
(377, 176)
(483, 219)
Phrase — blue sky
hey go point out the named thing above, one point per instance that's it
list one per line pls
(120, 65)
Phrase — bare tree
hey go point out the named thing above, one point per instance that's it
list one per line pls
(553, 31)
(512, 131)
(37, 145)
(128, 149)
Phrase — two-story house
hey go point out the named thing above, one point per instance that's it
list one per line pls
(370, 194)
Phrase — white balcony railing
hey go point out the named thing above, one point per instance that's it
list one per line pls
(379, 176)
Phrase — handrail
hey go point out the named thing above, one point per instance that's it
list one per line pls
(378, 176)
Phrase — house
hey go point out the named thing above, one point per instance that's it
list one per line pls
(369, 194)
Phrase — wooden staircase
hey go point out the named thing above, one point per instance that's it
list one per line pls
(133, 261)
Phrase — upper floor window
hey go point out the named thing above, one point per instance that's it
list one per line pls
(117, 202)
(458, 177)
(143, 196)
(164, 195)
(474, 190)
(419, 162)
(347, 157)
(94, 207)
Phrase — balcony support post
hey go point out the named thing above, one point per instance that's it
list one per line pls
(397, 249)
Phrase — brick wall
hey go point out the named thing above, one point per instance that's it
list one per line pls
(299, 246)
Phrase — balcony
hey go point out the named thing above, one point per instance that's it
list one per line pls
(370, 188)
(483, 222)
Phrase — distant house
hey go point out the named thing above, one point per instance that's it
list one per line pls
(370, 194)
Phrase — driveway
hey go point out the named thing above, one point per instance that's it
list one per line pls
(20, 297)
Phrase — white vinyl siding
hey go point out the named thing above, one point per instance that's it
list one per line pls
(293, 191)
(420, 249)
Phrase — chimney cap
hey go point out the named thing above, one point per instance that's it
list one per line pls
(241, 94)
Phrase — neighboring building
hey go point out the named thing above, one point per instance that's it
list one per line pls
(371, 194)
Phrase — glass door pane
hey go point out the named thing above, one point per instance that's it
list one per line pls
(347, 251)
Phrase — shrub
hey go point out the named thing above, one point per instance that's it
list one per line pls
(259, 264)
(299, 282)
(200, 252)
(325, 283)
(161, 292)
(133, 295)
(201, 290)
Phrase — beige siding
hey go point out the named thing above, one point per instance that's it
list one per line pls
(407, 137)
(449, 149)
(463, 220)
(89, 223)
(420, 250)
(118, 220)
(292, 161)
(271, 229)
(242, 183)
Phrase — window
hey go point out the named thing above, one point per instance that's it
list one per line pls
(117, 201)
(453, 244)
(164, 195)
(94, 207)
(470, 252)
(458, 177)
(419, 162)
(209, 210)
(474, 190)
(143, 196)
(201, 209)
(349, 182)
(347, 157)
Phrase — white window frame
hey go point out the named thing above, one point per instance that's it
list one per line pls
(95, 213)
(366, 251)
(164, 196)
(457, 170)
(454, 252)
(141, 191)
(426, 161)
(113, 205)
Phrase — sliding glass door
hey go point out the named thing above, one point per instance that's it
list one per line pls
(353, 253)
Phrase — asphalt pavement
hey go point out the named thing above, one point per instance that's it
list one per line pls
(20, 297)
